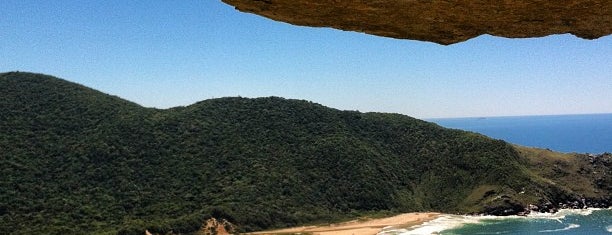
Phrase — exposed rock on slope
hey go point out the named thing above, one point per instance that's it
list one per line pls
(443, 21)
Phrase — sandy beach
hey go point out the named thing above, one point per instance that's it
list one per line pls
(359, 227)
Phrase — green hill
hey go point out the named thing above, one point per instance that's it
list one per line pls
(77, 161)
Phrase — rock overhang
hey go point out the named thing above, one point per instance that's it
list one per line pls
(442, 21)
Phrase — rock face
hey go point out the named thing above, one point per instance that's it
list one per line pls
(443, 21)
(217, 227)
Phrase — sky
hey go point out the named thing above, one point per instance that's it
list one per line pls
(174, 53)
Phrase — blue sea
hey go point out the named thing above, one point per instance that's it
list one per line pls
(565, 133)
(588, 133)
(566, 221)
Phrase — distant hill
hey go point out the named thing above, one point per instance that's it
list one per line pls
(74, 160)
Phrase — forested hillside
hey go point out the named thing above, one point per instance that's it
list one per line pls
(76, 161)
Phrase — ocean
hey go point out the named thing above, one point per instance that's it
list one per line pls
(566, 221)
(590, 133)
(585, 133)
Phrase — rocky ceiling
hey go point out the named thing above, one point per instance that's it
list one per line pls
(443, 21)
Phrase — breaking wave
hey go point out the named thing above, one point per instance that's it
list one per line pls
(447, 222)
(443, 222)
(570, 226)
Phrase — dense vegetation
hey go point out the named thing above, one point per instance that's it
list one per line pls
(74, 161)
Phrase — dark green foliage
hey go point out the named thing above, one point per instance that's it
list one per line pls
(77, 161)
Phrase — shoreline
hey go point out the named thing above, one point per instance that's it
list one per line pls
(421, 222)
(359, 227)
(445, 222)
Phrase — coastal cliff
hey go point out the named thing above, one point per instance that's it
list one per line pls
(74, 159)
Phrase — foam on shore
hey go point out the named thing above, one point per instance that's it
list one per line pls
(447, 222)
(443, 222)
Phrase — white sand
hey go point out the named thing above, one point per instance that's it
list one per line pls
(361, 227)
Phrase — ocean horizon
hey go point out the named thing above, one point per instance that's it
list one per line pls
(580, 133)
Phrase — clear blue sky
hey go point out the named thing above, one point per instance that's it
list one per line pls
(171, 53)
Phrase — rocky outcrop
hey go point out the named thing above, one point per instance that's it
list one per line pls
(509, 207)
(211, 226)
(443, 21)
(217, 227)
(597, 168)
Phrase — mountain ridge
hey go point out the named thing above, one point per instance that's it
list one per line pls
(95, 162)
